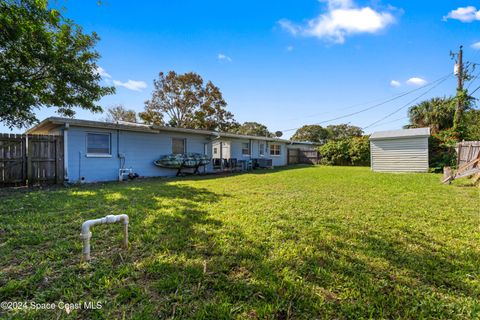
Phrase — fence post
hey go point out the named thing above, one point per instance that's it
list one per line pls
(24, 157)
(29, 160)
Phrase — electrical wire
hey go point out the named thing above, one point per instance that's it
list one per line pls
(392, 121)
(408, 103)
(473, 80)
(400, 95)
(471, 93)
(443, 78)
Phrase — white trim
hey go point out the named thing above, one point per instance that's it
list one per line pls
(98, 155)
(279, 149)
(249, 149)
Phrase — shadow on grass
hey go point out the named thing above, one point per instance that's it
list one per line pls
(185, 262)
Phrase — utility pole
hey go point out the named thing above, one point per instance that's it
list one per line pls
(459, 70)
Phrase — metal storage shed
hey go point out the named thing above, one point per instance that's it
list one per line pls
(400, 150)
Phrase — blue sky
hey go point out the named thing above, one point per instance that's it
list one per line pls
(283, 63)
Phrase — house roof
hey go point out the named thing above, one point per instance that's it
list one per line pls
(403, 133)
(56, 122)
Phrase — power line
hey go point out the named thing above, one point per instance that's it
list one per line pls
(473, 80)
(378, 104)
(381, 124)
(408, 103)
(402, 94)
(471, 93)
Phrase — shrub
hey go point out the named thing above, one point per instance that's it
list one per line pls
(359, 151)
(442, 149)
(352, 151)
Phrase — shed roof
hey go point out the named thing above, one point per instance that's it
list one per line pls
(403, 133)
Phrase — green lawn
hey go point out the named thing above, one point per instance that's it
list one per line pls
(302, 243)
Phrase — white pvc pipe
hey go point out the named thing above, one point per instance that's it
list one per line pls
(86, 234)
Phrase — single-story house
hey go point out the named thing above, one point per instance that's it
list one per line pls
(96, 151)
(400, 150)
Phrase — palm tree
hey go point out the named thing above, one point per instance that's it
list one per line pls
(436, 113)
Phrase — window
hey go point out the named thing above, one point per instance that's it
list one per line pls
(98, 144)
(245, 148)
(274, 149)
(215, 151)
(178, 146)
(261, 149)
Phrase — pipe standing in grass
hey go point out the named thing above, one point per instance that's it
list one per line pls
(86, 234)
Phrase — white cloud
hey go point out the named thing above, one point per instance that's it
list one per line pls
(341, 19)
(395, 83)
(476, 45)
(102, 72)
(333, 4)
(224, 57)
(463, 14)
(289, 26)
(131, 84)
(415, 81)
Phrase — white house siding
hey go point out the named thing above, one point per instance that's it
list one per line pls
(280, 160)
(236, 150)
(399, 155)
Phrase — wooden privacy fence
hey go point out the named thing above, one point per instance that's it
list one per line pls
(297, 156)
(467, 151)
(30, 159)
(468, 161)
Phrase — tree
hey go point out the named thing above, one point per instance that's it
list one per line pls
(472, 125)
(150, 116)
(312, 133)
(436, 113)
(120, 113)
(45, 61)
(186, 102)
(253, 129)
(343, 131)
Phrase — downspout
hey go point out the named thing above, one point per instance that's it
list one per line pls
(121, 158)
(80, 166)
(65, 152)
(86, 234)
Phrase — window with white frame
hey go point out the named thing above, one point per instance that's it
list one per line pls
(261, 149)
(245, 148)
(274, 149)
(178, 146)
(98, 144)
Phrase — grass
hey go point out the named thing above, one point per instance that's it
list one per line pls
(303, 243)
